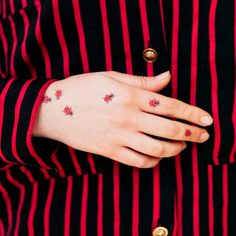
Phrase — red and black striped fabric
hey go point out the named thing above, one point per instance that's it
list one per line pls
(48, 188)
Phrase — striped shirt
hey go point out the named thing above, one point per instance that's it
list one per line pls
(48, 188)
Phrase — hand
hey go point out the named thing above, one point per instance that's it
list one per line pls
(113, 114)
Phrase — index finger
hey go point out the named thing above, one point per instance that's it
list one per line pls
(162, 105)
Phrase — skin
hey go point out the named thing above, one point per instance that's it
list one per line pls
(118, 129)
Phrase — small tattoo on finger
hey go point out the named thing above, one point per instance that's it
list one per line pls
(68, 111)
(108, 97)
(154, 102)
(188, 132)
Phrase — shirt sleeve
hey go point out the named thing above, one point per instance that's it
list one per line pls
(19, 103)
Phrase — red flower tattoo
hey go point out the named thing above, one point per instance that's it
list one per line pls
(58, 94)
(46, 99)
(68, 111)
(188, 132)
(154, 102)
(108, 97)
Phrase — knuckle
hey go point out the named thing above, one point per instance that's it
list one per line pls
(112, 153)
(184, 145)
(142, 81)
(160, 150)
(178, 149)
(122, 122)
(155, 162)
(201, 138)
(156, 150)
(172, 149)
(189, 112)
(127, 97)
(118, 155)
(195, 134)
(111, 73)
(170, 109)
(172, 130)
(122, 118)
(143, 162)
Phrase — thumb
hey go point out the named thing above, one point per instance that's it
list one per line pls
(151, 83)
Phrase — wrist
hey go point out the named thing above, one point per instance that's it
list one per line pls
(44, 125)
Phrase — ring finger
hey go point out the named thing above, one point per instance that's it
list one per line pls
(170, 129)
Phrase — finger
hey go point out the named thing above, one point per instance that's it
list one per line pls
(152, 83)
(170, 129)
(149, 146)
(131, 157)
(172, 148)
(161, 105)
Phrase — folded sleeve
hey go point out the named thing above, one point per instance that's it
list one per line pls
(19, 102)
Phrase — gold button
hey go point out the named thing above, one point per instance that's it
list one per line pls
(160, 231)
(150, 55)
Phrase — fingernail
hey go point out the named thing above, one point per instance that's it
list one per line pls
(163, 75)
(204, 136)
(207, 120)
(185, 145)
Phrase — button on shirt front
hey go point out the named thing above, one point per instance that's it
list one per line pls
(150, 55)
(160, 231)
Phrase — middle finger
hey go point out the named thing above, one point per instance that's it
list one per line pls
(165, 106)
